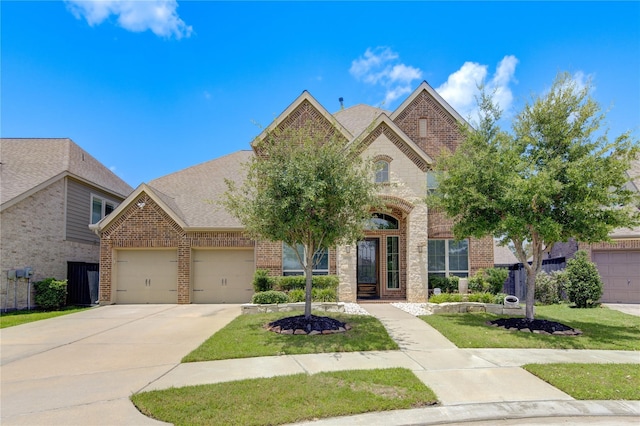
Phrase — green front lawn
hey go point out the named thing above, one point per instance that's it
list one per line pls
(245, 337)
(287, 399)
(592, 381)
(602, 328)
(10, 319)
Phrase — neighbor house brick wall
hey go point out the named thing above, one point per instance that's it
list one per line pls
(32, 235)
(621, 244)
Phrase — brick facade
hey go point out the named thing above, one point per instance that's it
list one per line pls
(151, 227)
(33, 235)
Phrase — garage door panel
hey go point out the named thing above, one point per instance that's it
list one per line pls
(147, 276)
(620, 273)
(222, 276)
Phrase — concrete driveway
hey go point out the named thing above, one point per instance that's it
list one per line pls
(80, 369)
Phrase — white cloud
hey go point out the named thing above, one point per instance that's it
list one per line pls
(461, 88)
(380, 66)
(159, 16)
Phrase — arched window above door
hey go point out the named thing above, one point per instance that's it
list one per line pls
(381, 221)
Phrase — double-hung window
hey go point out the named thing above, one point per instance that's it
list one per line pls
(291, 265)
(100, 208)
(382, 171)
(448, 258)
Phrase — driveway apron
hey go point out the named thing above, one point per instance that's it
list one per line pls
(82, 368)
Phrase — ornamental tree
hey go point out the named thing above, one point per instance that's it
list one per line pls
(304, 186)
(555, 176)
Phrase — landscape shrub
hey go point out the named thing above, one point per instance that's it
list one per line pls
(490, 280)
(292, 282)
(445, 298)
(262, 281)
(50, 293)
(496, 278)
(546, 289)
(296, 295)
(485, 297)
(269, 297)
(446, 284)
(584, 286)
(324, 295)
(499, 298)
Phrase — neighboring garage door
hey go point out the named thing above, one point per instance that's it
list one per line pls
(147, 276)
(222, 276)
(620, 272)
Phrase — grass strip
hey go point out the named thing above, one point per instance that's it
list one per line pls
(592, 381)
(602, 328)
(245, 337)
(287, 399)
(11, 319)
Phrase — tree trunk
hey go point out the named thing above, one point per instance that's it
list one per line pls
(308, 273)
(531, 292)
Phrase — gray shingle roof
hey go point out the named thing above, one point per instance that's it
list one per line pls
(28, 163)
(195, 193)
(502, 255)
(356, 118)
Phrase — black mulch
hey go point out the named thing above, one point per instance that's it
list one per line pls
(535, 326)
(324, 325)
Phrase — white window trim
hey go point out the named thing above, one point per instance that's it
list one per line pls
(448, 272)
(301, 271)
(103, 202)
(387, 171)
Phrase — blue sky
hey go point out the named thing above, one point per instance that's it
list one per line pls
(152, 87)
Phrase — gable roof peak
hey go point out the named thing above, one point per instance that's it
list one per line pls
(426, 87)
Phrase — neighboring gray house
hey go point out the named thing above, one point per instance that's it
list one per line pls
(51, 191)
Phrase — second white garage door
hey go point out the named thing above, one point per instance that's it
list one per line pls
(222, 276)
(620, 272)
(147, 276)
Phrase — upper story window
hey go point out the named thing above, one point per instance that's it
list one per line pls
(432, 182)
(292, 266)
(422, 127)
(100, 208)
(381, 221)
(382, 171)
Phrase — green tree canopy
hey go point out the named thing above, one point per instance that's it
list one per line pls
(555, 176)
(304, 186)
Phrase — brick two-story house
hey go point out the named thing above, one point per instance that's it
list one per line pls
(171, 241)
(51, 191)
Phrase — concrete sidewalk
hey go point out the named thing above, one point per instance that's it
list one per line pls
(471, 384)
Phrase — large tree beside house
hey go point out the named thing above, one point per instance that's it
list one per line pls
(555, 176)
(307, 188)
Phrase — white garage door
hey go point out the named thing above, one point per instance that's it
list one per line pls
(222, 276)
(147, 276)
(620, 272)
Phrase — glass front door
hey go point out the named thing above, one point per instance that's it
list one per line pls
(368, 287)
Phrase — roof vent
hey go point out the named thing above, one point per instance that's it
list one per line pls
(341, 100)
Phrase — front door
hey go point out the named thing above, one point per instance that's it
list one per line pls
(368, 281)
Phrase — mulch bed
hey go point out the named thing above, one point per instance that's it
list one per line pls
(537, 326)
(314, 325)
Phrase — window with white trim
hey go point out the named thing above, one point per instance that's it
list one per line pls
(382, 171)
(432, 182)
(100, 207)
(447, 258)
(291, 265)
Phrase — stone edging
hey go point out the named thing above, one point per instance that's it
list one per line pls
(252, 308)
(465, 307)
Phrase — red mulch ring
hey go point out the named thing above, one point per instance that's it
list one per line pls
(537, 326)
(301, 325)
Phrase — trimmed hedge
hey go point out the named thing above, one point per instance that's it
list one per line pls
(446, 284)
(51, 294)
(269, 297)
(299, 282)
(262, 281)
(584, 286)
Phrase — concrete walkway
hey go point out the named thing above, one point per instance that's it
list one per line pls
(471, 384)
(80, 369)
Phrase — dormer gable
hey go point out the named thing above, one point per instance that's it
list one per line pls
(429, 121)
(383, 125)
(303, 111)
